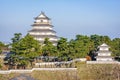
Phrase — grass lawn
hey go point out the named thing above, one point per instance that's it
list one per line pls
(98, 71)
(84, 72)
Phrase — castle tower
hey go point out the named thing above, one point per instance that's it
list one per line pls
(104, 54)
(42, 29)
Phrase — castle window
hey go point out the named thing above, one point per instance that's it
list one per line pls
(41, 20)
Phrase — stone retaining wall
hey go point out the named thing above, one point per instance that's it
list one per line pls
(102, 62)
(34, 69)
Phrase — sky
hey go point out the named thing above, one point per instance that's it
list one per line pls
(69, 17)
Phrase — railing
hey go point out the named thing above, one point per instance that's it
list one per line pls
(44, 63)
(63, 62)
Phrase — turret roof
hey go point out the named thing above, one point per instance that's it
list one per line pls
(42, 25)
(42, 30)
(103, 45)
(42, 16)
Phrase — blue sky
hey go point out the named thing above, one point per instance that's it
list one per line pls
(69, 17)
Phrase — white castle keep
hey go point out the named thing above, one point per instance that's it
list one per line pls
(42, 28)
(103, 53)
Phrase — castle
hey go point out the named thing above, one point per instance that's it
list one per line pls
(103, 53)
(42, 28)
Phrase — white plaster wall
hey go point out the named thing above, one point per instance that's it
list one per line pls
(41, 33)
(104, 54)
(53, 39)
(106, 49)
(44, 20)
(104, 59)
(37, 27)
(42, 39)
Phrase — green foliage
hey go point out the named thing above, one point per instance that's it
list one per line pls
(63, 49)
(0, 51)
(62, 44)
(2, 45)
(26, 45)
(17, 37)
(98, 40)
(80, 47)
(48, 49)
(27, 48)
(24, 49)
(83, 45)
(115, 46)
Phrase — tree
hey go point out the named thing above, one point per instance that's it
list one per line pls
(29, 46)
(24, 49)
(72, 47)
(115, 47)
(96, 39)
(1, 47)
(17, 37)
(83, 44)
(63, 49)
(92, 54)
(48, 49)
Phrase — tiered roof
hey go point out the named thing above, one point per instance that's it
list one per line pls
(42, 29)
(42, 17)
(40, 25)
(104, 52)
(103, 46)
(43, 36)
